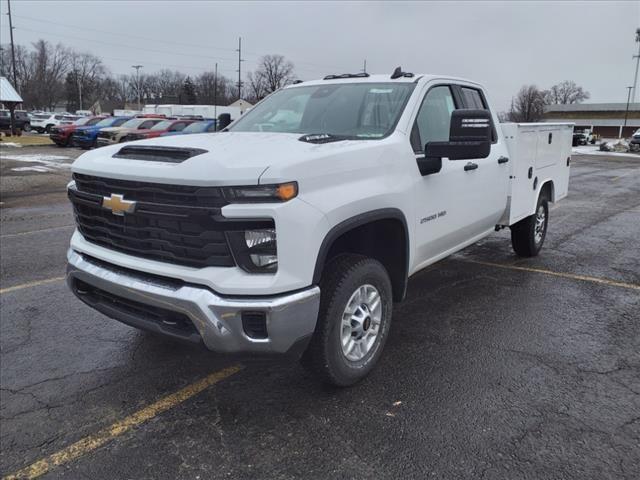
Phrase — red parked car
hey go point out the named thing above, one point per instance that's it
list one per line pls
(61, 135)
(159, 128)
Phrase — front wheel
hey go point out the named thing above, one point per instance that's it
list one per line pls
(26, 127)
(527, 236)
(353, 321)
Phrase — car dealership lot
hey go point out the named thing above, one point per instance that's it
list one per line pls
(496, 366)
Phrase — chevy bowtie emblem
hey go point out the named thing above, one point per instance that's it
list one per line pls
(118, 205)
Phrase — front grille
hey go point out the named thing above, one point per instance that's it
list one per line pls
(171, 223)
(182, 195)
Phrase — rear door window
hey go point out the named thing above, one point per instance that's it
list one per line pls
(474, 100)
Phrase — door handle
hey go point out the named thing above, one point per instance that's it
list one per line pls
(503, 160)
(470, 166)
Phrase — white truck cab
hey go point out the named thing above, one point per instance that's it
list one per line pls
(295, 229)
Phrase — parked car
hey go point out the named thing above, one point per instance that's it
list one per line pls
(111, 135)
(20, 117)
(62, 134)
(634, 142)
(86, 137)
(42, 122)
(204, 126)
(158, 129)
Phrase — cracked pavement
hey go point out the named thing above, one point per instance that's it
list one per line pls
(499, 374)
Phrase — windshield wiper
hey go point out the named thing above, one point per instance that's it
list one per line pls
(324, 138)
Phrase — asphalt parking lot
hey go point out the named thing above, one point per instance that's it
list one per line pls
(496, 367)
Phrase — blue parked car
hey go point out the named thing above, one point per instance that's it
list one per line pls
(204, 126)
(86, 137)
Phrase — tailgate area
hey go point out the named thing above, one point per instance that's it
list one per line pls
(539, 153)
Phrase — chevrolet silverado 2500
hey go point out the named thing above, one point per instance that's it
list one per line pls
(295, 229)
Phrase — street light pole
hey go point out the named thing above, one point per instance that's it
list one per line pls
(138, 67)
(626, 112)
(215, 93)
(637, 57)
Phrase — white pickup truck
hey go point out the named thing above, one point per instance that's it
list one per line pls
(295, 229)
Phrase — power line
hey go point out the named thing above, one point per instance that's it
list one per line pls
(170, 42)
(120, 45)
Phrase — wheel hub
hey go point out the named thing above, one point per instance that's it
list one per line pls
(361, 322)
(541, 219)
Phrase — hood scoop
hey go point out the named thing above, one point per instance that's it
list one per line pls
(152, 153)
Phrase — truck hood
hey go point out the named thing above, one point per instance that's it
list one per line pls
(231, 158)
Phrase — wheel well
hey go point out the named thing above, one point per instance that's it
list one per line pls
(548, 191)
(384, 239)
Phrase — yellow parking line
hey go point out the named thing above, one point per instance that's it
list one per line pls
(19, 234)
(95, 441)
(31, 284)
(585, 278)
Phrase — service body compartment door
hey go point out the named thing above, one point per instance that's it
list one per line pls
(539, 153)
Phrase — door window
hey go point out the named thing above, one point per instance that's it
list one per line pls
(434, 118)
(472, 98)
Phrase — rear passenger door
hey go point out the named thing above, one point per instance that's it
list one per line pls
(488, 183)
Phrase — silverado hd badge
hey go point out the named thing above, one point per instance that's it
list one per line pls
(117, 204)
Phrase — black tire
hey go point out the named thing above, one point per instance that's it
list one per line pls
(26, 127)
(342, 277)
(524, 240)
(48, 128)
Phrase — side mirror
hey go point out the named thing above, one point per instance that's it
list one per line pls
(469, 137)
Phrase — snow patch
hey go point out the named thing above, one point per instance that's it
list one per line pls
(595, 150)
(48, 163)
(11, 144)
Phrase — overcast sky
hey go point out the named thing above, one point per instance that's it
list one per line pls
(503, 45)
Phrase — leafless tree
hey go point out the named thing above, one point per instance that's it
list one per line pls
(273, 72)
(566, 92)
(528, 105)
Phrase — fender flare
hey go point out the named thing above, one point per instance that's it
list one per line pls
(357, 221)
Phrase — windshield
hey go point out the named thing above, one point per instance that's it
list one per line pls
(164, 125)
(82, 121)
(353, 110)
(198, 127)
(105, 123)
(133, 123)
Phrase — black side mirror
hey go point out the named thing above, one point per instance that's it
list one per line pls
(469, 137)
(224, 119)
(429, 165)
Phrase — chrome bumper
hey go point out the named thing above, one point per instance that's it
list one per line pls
(290, 318)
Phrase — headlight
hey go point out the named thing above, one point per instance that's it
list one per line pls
(255, 251)
(262, 193)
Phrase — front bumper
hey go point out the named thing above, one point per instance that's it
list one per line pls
(123, 294)
(103, 142)
(83, 142)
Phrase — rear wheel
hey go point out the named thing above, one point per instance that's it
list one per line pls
(353, 321)
(26, 127)
(48, 128)
(527, 236)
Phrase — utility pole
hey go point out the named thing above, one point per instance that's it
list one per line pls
(79, 89)
(13, 48)
(637, 57)
(239, 67)
(215, 93)
(626, 112)
(138, 67)
(364, 67)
